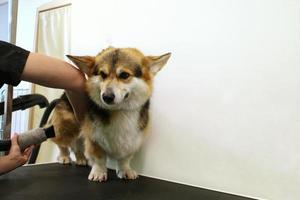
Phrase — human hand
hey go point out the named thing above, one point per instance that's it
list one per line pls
(15, 158)
(15, 154)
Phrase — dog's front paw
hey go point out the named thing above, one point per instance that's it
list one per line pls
(98, 174)
(127, 174)
(64, 159)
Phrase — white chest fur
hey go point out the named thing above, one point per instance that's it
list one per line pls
(121, 137)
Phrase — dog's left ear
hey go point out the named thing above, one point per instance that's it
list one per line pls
(157, 62)
(84, 63)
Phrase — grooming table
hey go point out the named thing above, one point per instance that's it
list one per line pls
(56, 181)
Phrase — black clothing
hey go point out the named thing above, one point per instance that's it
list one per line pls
(12, 62)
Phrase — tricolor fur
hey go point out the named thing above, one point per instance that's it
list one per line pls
(119, 87)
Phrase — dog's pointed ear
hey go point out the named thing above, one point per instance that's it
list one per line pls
(157, 62)
(84, 63)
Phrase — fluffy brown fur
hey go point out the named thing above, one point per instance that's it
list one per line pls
(67, 132)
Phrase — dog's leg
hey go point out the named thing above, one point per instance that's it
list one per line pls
(78, 149)
(124, 170)
(97, 156)
(64, 155)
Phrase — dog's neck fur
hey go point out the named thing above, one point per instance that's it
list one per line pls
(105, 115)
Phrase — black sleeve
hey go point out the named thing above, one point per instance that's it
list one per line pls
(12, 62)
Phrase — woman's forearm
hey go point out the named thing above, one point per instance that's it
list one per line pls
(52, 72)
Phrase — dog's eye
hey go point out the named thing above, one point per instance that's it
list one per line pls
(124, 75)
(103, 75)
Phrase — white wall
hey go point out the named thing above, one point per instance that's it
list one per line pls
(4, 21)
(225, 109)
(26, 22)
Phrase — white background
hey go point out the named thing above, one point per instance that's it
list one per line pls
(225, 109)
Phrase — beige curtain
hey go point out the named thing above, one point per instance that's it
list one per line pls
(54, 32)
(53, 39)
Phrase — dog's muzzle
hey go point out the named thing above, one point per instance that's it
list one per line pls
(108, 97)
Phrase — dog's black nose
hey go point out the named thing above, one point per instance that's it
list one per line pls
(108, 97)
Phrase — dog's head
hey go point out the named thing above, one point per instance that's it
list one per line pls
(120, 78)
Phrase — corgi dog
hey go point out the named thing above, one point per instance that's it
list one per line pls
(119, 86)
